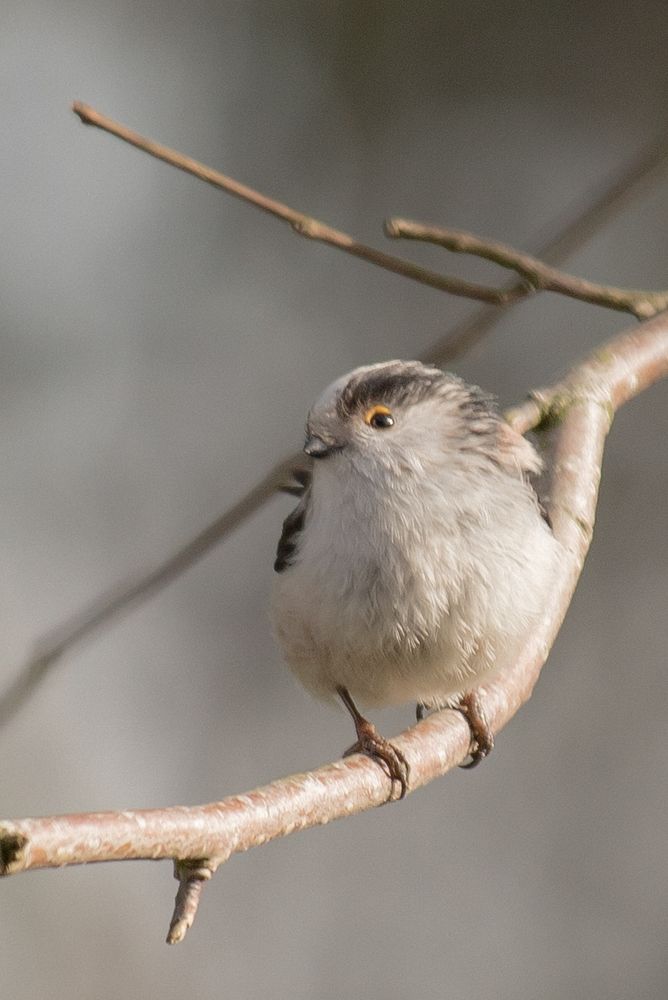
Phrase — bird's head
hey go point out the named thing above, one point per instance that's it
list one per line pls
(396, 414)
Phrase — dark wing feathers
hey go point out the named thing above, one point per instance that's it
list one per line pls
(292, 528)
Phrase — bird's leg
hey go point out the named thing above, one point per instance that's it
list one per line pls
(483, 738)
(371, 743)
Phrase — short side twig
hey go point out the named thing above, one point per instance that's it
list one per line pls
(191, 875)
(580, 411)
(537, 275)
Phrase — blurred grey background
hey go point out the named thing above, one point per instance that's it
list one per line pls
(160, 345)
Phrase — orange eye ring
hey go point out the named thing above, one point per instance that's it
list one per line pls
(379, 417)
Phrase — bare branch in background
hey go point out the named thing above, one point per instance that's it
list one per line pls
(285, 476)
(288, 475)
(578, 412)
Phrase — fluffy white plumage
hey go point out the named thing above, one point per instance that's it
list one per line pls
(418, 559)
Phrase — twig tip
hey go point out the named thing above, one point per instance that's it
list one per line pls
(81, 109)
(177, 931)
(392, 227)
(191, 876)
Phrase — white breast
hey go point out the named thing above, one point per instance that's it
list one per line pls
(411, 590)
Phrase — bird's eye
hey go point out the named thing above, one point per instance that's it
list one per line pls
(379, 417)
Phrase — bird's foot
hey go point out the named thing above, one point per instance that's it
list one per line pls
(483, 738)
(393, 762)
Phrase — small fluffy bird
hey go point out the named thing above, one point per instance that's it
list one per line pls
(418, 557)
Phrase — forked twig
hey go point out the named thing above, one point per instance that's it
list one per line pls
(597, 208)
(537, 275)
(303, 225)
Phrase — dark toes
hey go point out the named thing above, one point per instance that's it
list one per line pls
(391, 760)
(477, 755)
(483, 737)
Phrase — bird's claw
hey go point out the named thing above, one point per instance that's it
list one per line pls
(393, 762)
(477, 754)
(483, 737)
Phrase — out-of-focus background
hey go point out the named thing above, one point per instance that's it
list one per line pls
(161, 343)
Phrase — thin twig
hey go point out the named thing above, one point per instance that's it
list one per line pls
(537, 275)
(303, 225)
(596, 209)
(580, 412)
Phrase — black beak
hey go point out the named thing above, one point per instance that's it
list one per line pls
(316, 447)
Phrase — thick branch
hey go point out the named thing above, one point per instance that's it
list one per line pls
(612, 375)
(579, 410)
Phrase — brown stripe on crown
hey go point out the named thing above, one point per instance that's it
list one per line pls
(390, 385)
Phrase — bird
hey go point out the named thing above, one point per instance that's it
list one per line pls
(418, 557)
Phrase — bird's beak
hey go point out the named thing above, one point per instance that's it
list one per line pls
(317, 447)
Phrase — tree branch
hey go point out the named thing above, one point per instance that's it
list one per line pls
(303, 225)
(578, 412)
(537, 275)
(598, 210)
